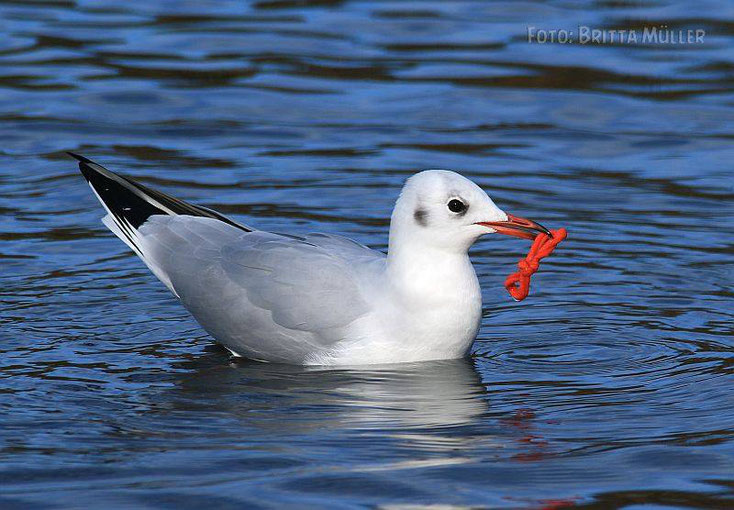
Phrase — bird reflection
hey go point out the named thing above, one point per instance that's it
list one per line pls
(407, 396)
(425, 414)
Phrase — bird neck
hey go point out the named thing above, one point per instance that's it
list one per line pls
(428, 273)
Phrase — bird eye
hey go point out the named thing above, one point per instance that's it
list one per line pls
(456, 206)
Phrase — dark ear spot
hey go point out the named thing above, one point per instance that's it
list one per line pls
(421, 217)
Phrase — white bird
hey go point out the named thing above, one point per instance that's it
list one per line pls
(320, 299)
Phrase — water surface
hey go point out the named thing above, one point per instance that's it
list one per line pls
(609, 387)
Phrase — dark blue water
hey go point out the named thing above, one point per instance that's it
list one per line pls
(609, 387)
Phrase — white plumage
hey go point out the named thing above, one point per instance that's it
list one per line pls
(319, 299)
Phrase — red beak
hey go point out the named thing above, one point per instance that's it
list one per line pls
(518, 227)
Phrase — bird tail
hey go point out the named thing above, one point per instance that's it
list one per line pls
(129, 205)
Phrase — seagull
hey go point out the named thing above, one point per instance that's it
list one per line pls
(319, 299)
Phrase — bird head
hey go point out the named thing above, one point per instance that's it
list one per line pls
(443, 210)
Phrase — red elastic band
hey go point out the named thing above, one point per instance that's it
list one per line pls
(518, 284)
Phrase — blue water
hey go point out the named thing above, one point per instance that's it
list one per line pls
(609, 387)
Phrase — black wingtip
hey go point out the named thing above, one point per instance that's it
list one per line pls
(126, 198)
(79, 158)
(85, 165)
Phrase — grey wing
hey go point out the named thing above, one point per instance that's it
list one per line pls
(305, 286)
(269, 296)
(343, 246)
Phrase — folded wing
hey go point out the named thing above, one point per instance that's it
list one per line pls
(259, 292)
(268, 296)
